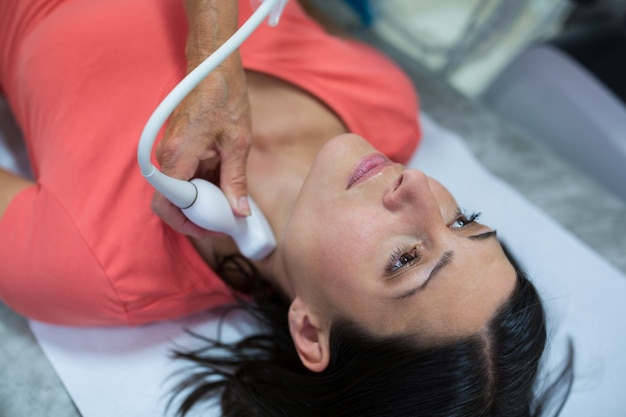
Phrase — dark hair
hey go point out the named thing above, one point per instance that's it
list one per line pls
(487, 374)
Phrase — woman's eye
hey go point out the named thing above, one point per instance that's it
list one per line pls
(463, 220)
(401, 259)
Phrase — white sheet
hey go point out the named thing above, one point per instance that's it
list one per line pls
(122, 371)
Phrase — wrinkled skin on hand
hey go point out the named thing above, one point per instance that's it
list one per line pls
(208, 136)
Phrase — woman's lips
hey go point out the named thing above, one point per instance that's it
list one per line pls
(367, 167)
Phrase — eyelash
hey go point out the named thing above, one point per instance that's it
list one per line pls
(466, 219)
(409, 255)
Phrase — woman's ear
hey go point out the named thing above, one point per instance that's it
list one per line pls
(309, 337)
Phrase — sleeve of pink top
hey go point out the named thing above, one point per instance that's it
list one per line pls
(49, 272)
(57, 272)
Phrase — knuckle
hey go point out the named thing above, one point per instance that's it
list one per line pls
(239, 144)
(237, 180)
(243, 142)
(168, 150)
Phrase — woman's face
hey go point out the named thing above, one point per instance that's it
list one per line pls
(388, 248)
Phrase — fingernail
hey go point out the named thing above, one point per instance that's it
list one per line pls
(244, 206)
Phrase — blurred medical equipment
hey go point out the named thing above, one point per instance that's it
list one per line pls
(463, 41)
(201, 201)
(363, 9)
(474, 27)
(569, 92)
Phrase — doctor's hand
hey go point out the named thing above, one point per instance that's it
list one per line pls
(208, 136)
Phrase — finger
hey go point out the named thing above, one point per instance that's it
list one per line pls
(184, 144)
(179, 159)
(175, 218)
(233, 178)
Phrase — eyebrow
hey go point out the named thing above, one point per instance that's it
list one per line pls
(445, 260)
(483, 236)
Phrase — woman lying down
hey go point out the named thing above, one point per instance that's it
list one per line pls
(382, 297)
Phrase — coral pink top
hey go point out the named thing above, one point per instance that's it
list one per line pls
(82, 77)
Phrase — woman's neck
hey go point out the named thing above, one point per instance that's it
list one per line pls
(289, 126)
(273, 184)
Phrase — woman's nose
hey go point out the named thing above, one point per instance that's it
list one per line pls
(411, 191)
